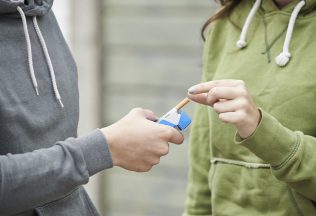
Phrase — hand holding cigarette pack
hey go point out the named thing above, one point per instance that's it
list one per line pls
(177, 118)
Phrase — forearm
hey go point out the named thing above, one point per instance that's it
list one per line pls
(33, 179)
(290, 154)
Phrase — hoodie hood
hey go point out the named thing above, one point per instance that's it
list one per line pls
(270, 6)
(310, 5)
(30, 7)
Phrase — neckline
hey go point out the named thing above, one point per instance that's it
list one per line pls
(271, 6)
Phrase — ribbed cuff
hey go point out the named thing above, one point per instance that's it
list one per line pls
(271, 141)
(95, 151)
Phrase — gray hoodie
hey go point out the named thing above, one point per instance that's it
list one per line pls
(42, 163)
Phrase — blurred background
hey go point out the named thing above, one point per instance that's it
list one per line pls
(133, 53)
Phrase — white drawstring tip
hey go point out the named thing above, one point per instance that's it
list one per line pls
(283, 58)
(61, 103)
(241, 44)
(36, 89)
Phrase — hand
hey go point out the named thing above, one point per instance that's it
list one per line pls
(231, 100)
(136, 142)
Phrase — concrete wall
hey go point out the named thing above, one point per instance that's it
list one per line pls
(80, 22)
(135, 53)
(152, 54)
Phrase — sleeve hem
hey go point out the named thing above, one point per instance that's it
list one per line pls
(271, 141)
(95, 151)
(294, 151)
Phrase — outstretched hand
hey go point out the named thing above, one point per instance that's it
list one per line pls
(232, 101)
(136, 142)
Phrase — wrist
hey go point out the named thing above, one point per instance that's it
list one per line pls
(246, 130)
(109, 134)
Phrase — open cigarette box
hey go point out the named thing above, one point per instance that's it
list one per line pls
(176, 118)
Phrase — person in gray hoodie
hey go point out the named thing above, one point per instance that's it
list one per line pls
(43, 164)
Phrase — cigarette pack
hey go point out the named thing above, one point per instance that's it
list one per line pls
(176, 119)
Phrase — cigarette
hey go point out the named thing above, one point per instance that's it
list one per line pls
(184, 102)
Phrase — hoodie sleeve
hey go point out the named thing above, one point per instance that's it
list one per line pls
(32, 179)
(290, 153)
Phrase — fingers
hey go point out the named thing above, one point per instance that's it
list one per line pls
(174, 136)
(229, 105)
(207, 86)
(199, 98)
(218, 94)
(231, 100)
(146, 113)
(170, 134)
(232, 117)
(162, 149)
(150, 115)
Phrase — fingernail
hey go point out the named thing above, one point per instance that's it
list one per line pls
(191, 90)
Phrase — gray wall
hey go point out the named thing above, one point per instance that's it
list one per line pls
(151, 55)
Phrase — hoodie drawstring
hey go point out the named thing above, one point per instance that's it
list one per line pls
(48, 60)
(241, 43)
(29, 49)
(46, 53)
(284, 57)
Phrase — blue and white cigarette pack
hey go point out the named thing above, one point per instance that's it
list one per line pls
(176, 119)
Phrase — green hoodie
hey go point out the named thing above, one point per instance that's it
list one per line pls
(273, 172)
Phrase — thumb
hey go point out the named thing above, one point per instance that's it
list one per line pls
(150, 115)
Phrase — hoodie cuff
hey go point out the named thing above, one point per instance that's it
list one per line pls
(95, 151)
(271, 141)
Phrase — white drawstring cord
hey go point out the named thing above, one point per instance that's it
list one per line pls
(45, 50)
(241, 43)
(284, 57)
(48, 60)
(29, 49)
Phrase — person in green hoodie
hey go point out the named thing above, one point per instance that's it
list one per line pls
(253, 145)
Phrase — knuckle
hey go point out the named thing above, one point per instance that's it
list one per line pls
(203, 85)
(164, 150)
(181, 139)
(243, 102)
(137, 109)
(213, 91)
(243, 116)
(217, 107)
(168, 134)
(216, 82)
(243, 92)
(155, 161)
(241, 82)
(137, 169)
(147, 168)
(209, 100)
(223, 118)
(149, 111)
(141, 169)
